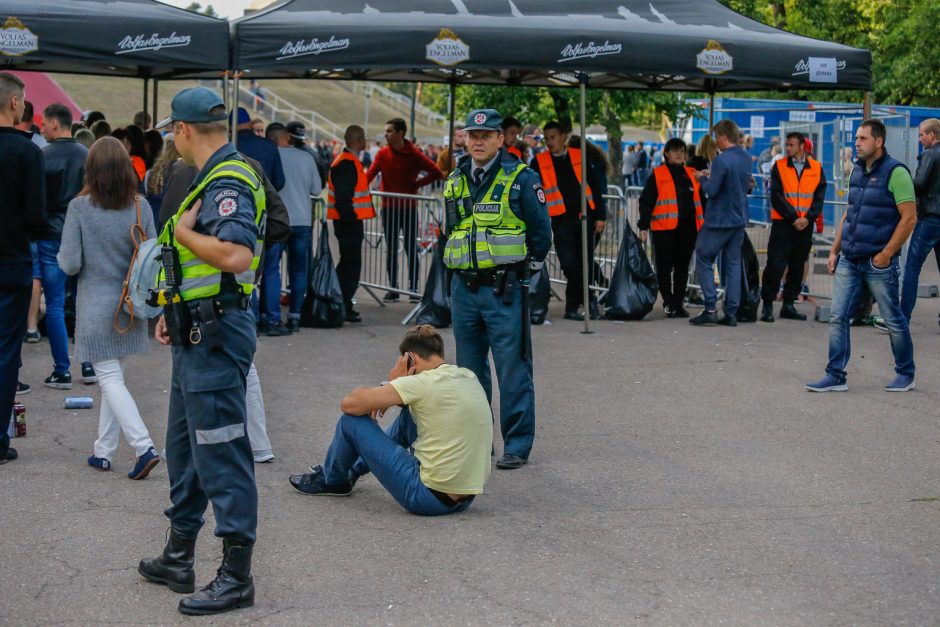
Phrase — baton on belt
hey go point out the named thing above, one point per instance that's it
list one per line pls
(525, 276)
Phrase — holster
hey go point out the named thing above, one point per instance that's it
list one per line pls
(179, 321)
(210, 311)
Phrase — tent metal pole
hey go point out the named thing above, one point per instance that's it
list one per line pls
(414, 102)
(146, 94)
(235, 110)
(156, 88)
(711, 111)
(585, 271)
(450, 133)
(866, 105)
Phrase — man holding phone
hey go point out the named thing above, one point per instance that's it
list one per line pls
(445, 420)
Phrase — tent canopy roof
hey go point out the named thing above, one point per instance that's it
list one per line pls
(140, 38)
(698, 45)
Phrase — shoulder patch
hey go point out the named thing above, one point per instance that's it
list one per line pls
(540, 194)
(227, 206)
(225, 193)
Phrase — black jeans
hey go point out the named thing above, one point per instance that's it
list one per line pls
(567, 236)
(402, 219)
(787, 250)
(349, 236)
(673, 251)
(14, 307)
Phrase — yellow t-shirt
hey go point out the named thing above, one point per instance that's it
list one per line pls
(455, 428)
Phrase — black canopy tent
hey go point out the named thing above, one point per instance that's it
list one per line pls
(133, 38)
(681, 45)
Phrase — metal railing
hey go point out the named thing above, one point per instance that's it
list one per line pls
(394, 99)
(277, 109)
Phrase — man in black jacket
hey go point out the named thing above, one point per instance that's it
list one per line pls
(926, 236)
(64, 161)
(23, 215)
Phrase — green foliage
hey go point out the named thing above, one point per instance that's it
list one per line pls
(901, 35)
(195, 7)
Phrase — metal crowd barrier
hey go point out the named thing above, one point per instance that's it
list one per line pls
(396, 255)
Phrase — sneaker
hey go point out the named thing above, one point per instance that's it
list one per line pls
(413, 298)
(314, 484)
(293, 324)
(728, 321)
(391, 297)
(9, 457)
(99, 463)
(574, 315)
(827, 384)
(263, 458)
(32, 337)
(353, 316)
(88, 374)
(901, 383)
(145, 463)
(277, 330)
(59, 381)
(22, 388)
(680, 312)
(879, 324)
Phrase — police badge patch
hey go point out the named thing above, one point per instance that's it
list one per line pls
(540, 193)
(228, 207)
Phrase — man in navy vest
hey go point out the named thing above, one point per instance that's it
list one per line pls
(878, 220)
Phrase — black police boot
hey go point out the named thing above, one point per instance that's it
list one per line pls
(175, 566)
(232, 587)
(767, 313)
(788, 311)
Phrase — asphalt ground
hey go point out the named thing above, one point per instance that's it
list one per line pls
(679, 476)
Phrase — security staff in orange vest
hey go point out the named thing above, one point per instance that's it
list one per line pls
(797, 193)
(511, 129)
(671, 207)
(349, 202)
(560, 169)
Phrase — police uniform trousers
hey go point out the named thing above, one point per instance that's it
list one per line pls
(787, 249)
(483, 323)
(566, 234)
(208, 454)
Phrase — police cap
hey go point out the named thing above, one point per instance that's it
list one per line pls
(484, 120)
(194, 104)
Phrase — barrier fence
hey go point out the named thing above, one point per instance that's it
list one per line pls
(398, 243)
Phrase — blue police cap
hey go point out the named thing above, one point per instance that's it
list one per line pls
(484, 120)
(194, 104)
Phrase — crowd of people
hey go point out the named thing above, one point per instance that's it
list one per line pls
(225, 210)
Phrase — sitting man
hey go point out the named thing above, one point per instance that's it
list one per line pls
(445, 420)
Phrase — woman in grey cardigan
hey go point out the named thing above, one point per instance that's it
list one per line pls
(97, 246)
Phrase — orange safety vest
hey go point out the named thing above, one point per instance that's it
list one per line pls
(553, 198)
(799, 192)
(362, 197)
(666, 212)
(515, 151)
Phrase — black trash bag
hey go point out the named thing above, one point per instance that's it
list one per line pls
(540, 292)
(633, 286)
(750, 283)
(435, 302)
(323, 305)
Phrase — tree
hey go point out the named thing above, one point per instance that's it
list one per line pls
(195, 7)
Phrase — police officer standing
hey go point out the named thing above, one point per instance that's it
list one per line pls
(797, 194)
(211, 248)
(498, 231)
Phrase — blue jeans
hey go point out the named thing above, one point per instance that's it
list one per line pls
(53, 286)
(271, 285)
(850, 278)
(298, 257)
(926, 238)
(14, 305)
(727, 243)
(360, 446)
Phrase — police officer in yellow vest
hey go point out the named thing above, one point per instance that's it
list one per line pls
(211, 248)
(498, 230)
(797, 194)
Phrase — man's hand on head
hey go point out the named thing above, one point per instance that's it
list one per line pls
(401, 369)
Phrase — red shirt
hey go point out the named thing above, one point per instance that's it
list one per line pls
(400, 169)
